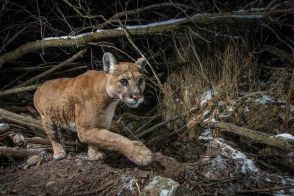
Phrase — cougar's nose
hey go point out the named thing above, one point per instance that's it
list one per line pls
(136, 96)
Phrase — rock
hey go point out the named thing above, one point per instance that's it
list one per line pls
(4, 126)
(50, 183)
(18, 139)
(33, 160)
(161, 186)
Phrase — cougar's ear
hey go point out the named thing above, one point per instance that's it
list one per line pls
(141, 62)
(109, 62)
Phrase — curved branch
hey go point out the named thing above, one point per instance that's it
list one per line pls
(153, 28)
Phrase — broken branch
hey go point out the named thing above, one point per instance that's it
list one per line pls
(20, 119)
(19, 90)
(255, 135)
(21, 153)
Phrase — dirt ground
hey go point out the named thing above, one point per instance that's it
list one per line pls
(116, 175)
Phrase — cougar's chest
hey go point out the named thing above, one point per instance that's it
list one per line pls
(108, 115)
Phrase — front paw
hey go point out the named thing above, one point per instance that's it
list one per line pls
(59, 155)
(96, 156)
(140, 154)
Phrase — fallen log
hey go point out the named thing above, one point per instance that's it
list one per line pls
(20, 119)
(234, 18)
(47, 142)
(18, 152)
(19, 90)
(256, 136)
(284, 56)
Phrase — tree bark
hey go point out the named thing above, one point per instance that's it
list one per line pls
(255, 135)
(18, 152)
(47, 142)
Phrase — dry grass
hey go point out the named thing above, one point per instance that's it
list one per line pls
(237, 71)
(279, 83)
(225, 72)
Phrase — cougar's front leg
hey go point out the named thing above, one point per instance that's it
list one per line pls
(101, 138)
(104, 139)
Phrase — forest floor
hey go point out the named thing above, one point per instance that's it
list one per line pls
(210, 167)
(208, 163)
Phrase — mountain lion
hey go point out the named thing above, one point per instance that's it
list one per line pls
(86, 104)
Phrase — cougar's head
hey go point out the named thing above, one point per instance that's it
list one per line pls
(125, 80)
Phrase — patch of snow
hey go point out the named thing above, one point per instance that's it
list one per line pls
(286, 136)
(290, 180)
(68, 36)
(72, 126)
(281, 101)
(164, 192)
(280, 193)
(221, 103)
(264, 99)
(128, 183)
(100, 30)
(206, 135)
(165, 22)
(248, 16)
(230, 108)
(205, 113)
(193, 109)
(81, 157)
(223, 115)
(206, 96)
(4, 126)
(213, 120)
(226, 150)
(291, 107)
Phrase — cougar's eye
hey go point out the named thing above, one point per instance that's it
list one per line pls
(124, 81)
(141, 81)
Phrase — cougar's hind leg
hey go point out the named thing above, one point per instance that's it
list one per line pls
(58, 149)
(94, 154)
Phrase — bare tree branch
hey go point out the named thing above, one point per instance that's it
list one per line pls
(153, 28)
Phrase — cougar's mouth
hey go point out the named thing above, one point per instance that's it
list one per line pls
(132, 103)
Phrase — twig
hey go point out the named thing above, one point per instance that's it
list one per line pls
(267, 189)
(19, 90)
(289, 96)
(138, 10)
(95, 191)
(156, 126)
(141, 53)
(66, 62)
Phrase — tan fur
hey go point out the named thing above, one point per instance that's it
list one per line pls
(86, 104)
